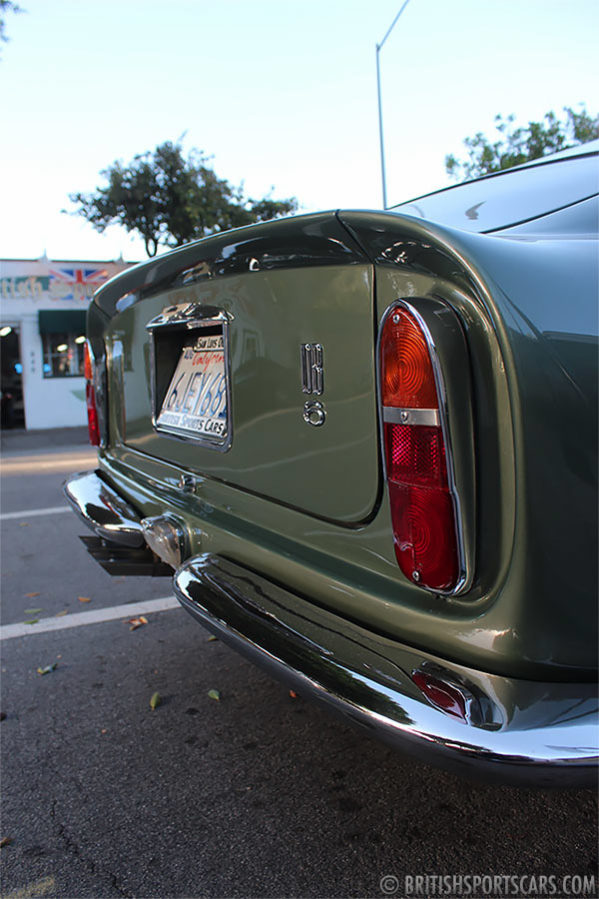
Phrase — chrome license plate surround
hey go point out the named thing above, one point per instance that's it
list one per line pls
(179, 336)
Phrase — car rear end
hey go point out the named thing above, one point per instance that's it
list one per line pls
(338, 431)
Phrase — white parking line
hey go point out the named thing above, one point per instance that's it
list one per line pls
(79, 619)
(43, 464)
(30, 513)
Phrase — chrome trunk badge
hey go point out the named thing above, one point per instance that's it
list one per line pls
(312, 368)
(314, 413)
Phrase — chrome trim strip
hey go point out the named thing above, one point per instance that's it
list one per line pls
(527, 733)
(318, 370)
(465, 576)
(305, 362)
(190, 316)
(427, 417)
(103, 510)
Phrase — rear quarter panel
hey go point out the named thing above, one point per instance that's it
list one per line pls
(530, 307)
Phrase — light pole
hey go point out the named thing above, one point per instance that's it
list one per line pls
(379, 47)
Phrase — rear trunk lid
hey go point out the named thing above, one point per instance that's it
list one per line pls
(278, 321)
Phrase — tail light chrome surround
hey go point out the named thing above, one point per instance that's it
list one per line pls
(431, 422)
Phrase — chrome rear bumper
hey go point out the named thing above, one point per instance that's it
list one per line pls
(528, 733)
(103, 510)
(533, 733)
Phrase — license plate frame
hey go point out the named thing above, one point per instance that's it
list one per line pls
(189, 353)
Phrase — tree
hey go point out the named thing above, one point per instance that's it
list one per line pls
(518, 145)
(6, 6)
(169, 199)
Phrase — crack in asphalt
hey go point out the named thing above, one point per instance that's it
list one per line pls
(73, 848)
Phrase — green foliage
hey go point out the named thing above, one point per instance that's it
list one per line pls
(518, 145)
(6, 6)
(169, 199)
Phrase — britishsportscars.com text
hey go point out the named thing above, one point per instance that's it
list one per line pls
(481, 885)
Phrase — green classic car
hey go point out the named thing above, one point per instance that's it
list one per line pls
(365, 442)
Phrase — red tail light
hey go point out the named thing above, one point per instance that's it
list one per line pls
(422, 504)
(93, 423)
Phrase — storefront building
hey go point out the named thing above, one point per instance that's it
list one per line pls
(43, 304)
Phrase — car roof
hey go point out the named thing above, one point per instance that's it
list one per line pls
(513, 196)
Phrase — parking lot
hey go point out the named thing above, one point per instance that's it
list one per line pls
(254, 793)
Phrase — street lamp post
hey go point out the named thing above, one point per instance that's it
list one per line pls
(379, 47)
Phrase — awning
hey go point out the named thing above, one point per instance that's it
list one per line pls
(62, 321)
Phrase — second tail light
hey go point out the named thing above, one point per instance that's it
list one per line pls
(91, 398)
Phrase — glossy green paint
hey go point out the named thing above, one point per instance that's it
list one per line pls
(533, 294)
(524, 614)
(274, 453)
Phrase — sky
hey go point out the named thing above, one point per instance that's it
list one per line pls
(281, 94)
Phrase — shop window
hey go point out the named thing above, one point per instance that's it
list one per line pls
(62, 332)
(63, 355)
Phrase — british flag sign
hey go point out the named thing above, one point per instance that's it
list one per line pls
(76, 283)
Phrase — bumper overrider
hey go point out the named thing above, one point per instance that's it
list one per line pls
(512, 731)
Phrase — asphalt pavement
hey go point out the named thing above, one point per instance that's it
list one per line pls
(255, 793)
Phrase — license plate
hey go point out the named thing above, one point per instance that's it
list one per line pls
(195, 402)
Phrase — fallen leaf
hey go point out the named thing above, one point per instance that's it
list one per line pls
(137, 622)
(48, 668)
(31, 595)
(84, 599)
(32, 621)
(211, 638)
(60, 614)
(214, 694)
(293, 694)
(32, 611)
(23, 524)
(155, 700)
(5, 841)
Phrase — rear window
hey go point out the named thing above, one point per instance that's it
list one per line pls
(511, 197)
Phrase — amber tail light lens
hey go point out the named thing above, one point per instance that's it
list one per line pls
(93, 422)
(422, 506)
